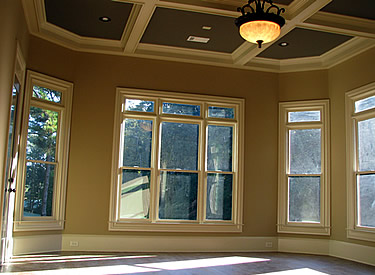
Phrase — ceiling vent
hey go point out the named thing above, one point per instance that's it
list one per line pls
(198, 39)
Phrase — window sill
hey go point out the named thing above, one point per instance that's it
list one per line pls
(308, 229)
(38, 225)
(363, 234)
(174, 227)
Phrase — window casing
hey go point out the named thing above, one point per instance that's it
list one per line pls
(41, 181)
(360, 137)
(303, 190)
(187, 173)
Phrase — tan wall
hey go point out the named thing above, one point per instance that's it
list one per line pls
(12, 28)
(96, 77)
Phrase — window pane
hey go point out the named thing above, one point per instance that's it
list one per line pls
(39, 189)
(366, 200)
(304, 116)
(220, 112)
(305, 151)
(46, 94)
(137, 143)
(179, 146)
(219, 197)
(365, 104)
(42, 133)
(219, 148)
(366, 145)
(178, 196)
(304, 199)
(135, 194)
(139, 105)
(181, 109)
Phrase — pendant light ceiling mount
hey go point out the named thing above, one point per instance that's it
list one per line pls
(259, 25)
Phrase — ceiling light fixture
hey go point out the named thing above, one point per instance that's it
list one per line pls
(105, 19)
(259, 25)
(283, 44)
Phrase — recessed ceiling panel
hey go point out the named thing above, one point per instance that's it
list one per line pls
(304, 43)
(82, 17)
(357, 8)
(170, 27)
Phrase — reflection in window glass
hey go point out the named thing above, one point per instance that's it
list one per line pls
(305, 151)
(364, 104)
(38, 196)
(46, 94)
(366, 145)
(304, 116)
(366, 200)
(139, 105)
(137, 143)
(135, 194)
(219, 148)
(220, 112)
(304, 199)
(181, 109)
(179, 146)
(42, 133)
(178, 196)
(219, 197)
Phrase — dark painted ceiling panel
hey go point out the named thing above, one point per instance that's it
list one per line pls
(304, 43)
(172, 27)
(358, 8)
(82, 17)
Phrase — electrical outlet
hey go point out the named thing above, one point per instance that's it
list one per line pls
(74, 243)
(269, 244)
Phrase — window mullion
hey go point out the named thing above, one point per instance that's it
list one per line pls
(155, 163)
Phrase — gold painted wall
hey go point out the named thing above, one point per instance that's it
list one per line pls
(12, 29)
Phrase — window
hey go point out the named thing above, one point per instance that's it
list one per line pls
(360, 131)
(177, 163)
(43, 154)
(303, 168)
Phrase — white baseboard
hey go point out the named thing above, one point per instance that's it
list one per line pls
(105, 243)
(167, 244)
(36, 244)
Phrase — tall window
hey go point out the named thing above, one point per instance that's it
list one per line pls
(176, 162)
(360, 122)
(43, 154)
(303, 168)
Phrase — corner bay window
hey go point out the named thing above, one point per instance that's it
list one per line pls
(176, 163)
(303, 168)
(360, 127)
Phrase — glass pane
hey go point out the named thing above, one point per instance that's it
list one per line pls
(179, 146)
(178, 196)
(305, 151)
(46, 94)
(366, 200)
(366, 145)
(219, 148)
(135, 194)
(365, 104)
(304, 116)
(219, 197)
(139, 105)
(181, 109)
(220, 112)
(137, 143)
(39, 189)
(42, 133)
(304, 199)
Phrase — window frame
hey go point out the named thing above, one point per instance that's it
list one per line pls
(355, 231)
(284, 225)
(64, 108)
(202, 224)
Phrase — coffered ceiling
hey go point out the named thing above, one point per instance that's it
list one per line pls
(319, 33)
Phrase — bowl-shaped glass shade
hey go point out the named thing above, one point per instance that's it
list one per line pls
(260, 30)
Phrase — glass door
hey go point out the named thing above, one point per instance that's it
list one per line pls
(10, 174)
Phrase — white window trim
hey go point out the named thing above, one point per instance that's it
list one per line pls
(235, 225)
(354, 231)
(284, 226)
(56, 221)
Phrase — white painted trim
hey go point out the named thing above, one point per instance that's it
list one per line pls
(353, 252)
(304, 245)
(37, 244)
